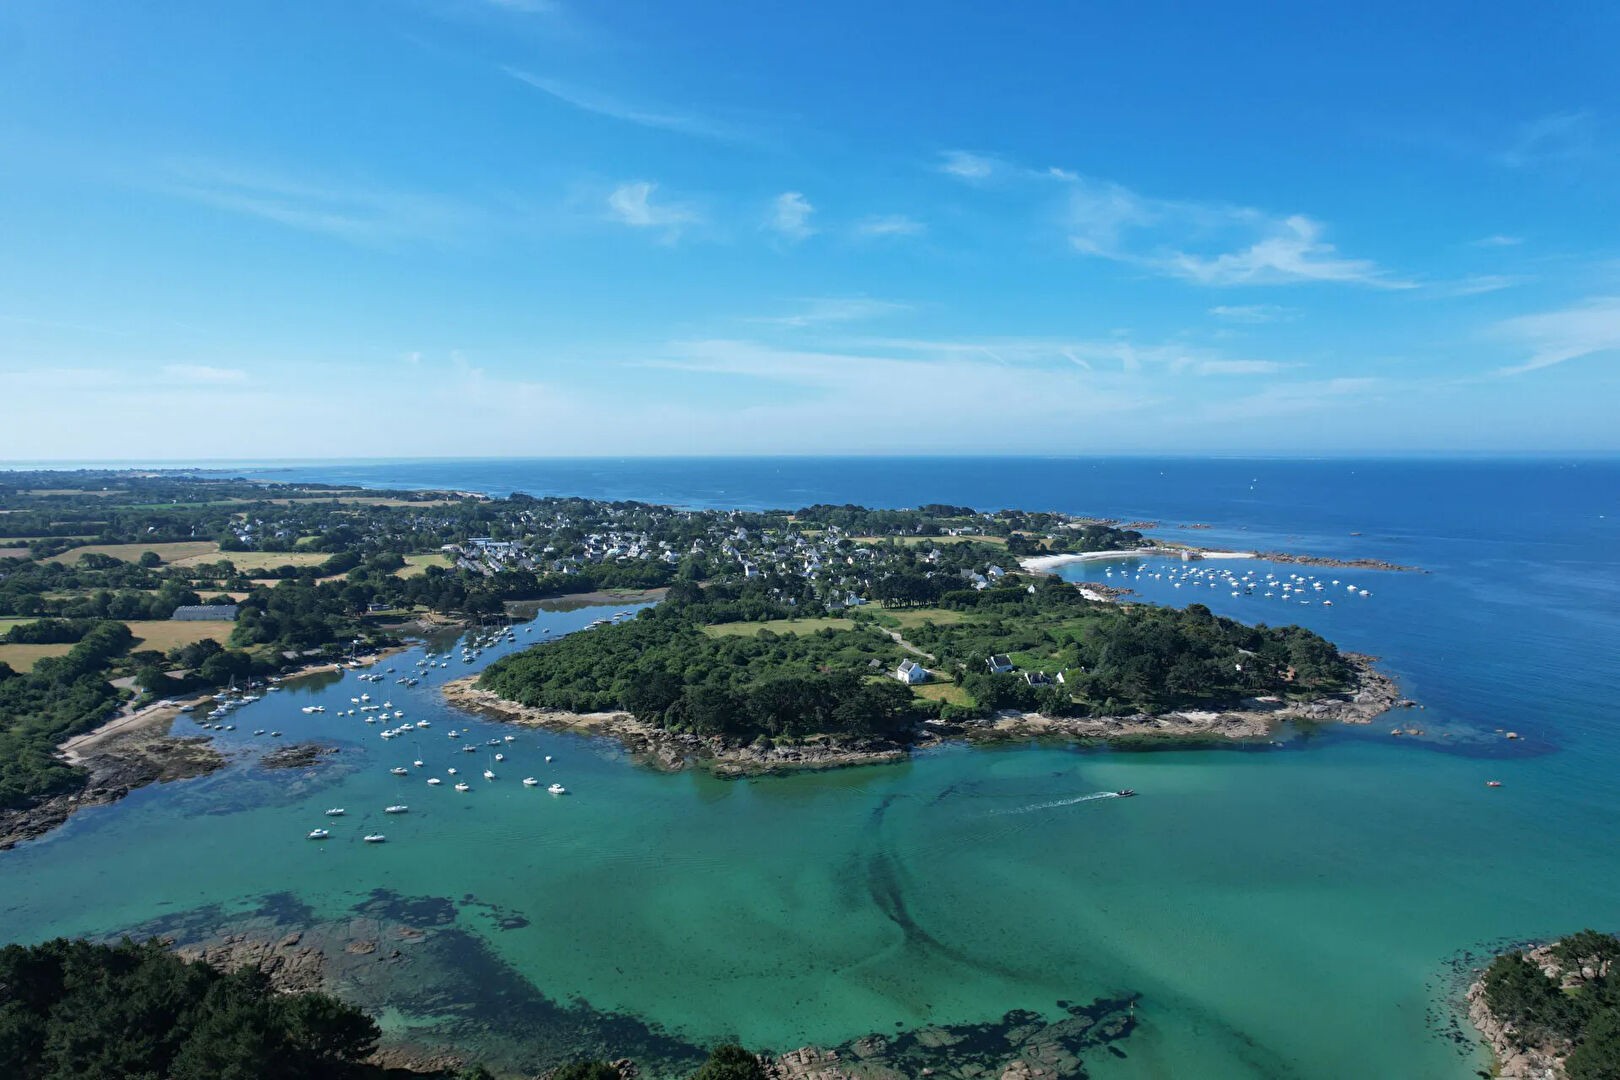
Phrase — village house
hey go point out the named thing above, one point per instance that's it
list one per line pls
(911, 673)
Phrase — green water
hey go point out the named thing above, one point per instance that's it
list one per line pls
(1292, 911)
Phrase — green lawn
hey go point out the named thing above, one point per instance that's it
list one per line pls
(943, 691)
(418, 564)
(905, 618)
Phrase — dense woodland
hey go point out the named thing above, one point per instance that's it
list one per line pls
(1577, 1013)
(667, 669)
(74, 1010)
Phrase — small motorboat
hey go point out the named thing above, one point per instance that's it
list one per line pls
(529, 781)
(375, 838)
(258, 731)
(548, 757)
(336, 811)
(417, 763)
(434, 781)
(463, 787)
(1125, 793)
(318, 834)
(494, 742)
(399, 770)
(557, 789)
(1493, 783)
(500, 757)
(469, 749)
(509, 738)
(397, 808)
(488, 775)
(275, 734)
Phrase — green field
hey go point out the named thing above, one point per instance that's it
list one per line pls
(183, 552)
(778, 626)
(943, 691)
(905, 618)
(23, 657)
(418, 564)
(250, 561)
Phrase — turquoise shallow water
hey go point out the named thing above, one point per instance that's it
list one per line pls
(1293, 910)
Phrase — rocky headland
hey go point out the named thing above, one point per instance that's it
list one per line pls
(117, 765)
(1371, 694)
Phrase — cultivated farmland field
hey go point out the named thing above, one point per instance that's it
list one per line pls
(184, 552)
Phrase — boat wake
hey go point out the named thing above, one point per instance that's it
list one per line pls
(1055, 803)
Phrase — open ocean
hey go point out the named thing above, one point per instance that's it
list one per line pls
(1310, 909)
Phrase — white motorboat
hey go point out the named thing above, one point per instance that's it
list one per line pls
(463, 787)
(488, 775)
(336, 811)
(557, 789)
(452, 772)
(318, 834)
(397, 808)
(418, 764)
(399, 770)
(500, 757)
(529, 781)
(509, 738)
(375, 838)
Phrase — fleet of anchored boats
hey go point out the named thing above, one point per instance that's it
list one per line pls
(1285, 587)
(361, 705)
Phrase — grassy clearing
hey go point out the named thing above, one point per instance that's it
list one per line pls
(944, 691)
(183, 552)
(418, 564)
(932, 541)
(22, 658)
(778, 626)
(250, 561)
(166, 634)
(906, 618)
(8, 621)
(13, 553)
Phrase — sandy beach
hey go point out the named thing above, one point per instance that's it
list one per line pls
(1045, 564)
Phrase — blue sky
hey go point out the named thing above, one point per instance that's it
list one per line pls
(484, 227)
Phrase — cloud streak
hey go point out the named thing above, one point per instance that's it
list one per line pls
(604, 105)
(1590, 328)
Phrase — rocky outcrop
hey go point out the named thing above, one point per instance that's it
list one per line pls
(116, 765)
(1346, 564)
(1513, 1061)
(297, 756)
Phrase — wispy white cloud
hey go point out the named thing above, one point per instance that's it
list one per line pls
(1293, 398)
(790, 216)
(835, 309)
(1587, 329)
(1497, 240)
(1478, 284)
(1254, 314)
(1113, 355)
(967, 166)
(889, 225)
(605, 105)
(1206, 243)
(631, 204)
(360, 213)
(1551, 139)
(204, 374)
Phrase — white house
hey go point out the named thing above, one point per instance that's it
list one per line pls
(911, 673)
(999, 664)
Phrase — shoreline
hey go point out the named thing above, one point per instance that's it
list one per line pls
(1046, 564)
(1372, 695)
(1512, 1060)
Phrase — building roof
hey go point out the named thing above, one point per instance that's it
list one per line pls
(201, 612)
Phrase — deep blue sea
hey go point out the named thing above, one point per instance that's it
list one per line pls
(1302, 910)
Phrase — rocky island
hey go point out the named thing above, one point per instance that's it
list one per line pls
(1552, 1012)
